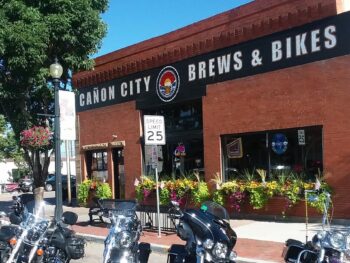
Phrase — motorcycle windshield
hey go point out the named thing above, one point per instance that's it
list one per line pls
(119, 207)
(216, 210)
(31, 232)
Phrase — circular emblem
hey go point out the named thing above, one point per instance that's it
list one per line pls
(279, 143)
(168, 83)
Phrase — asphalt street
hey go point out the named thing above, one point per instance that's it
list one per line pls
(94, 253)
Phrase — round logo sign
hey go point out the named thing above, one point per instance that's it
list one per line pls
(279, 143)
(168, 83)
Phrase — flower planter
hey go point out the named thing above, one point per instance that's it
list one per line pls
(151, 200)
(276, 206)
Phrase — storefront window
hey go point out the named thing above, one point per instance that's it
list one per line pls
(97, 165)
(183, 152)
(290, 151)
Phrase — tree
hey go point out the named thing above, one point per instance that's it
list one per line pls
(33, 33)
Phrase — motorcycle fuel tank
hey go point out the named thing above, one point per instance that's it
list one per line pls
(206, 225)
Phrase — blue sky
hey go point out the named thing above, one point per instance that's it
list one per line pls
(132, 21)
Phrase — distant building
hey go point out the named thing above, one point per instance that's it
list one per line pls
(7, 168)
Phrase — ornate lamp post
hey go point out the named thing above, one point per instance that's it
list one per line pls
(56, 72)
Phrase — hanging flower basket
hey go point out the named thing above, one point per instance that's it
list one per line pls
(37, 138)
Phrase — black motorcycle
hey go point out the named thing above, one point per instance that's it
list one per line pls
(121, 244)
(8, 232)
(61, 243)
(38, 239)
(207, 232)
(326, 246)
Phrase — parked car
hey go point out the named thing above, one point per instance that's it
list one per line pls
(50, 185)
(26, 185)
(11, 187)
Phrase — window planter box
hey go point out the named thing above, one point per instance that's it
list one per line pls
(275, 206)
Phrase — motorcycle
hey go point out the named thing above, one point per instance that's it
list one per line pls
(38, 239)
(9, 229)
(327, 245)
(61, 243)
(121, 243)
(207, 232)
(27, 244)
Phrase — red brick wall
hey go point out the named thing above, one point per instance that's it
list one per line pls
(98, 126)
(312, 94)
(258, 18)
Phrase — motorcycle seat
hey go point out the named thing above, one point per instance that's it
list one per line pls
(7, 232)
(67, 232)
(294, 242)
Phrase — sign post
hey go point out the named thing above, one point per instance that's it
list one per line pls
(154, 134)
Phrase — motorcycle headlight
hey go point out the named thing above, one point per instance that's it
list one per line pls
(321, 235)
(337, 240)
(208, 244)
(124, 239)
(220, 250)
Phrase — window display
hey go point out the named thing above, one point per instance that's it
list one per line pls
(290, 151)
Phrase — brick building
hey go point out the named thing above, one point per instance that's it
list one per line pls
(264, 85)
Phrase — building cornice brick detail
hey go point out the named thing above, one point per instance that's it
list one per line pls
(250, 21)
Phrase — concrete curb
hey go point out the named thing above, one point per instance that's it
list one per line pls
(161, 249)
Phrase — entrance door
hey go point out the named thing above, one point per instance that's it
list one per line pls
(119, 176)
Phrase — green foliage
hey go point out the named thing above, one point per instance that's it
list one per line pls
(144, 188)
(219, 197)
(32, 34)
(164, 196)
(83, 191)
(233, 193)
(258, 197)
(103, 191)
(200, 193)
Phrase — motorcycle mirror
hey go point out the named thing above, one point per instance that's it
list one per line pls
(69, 218)
(16, 220)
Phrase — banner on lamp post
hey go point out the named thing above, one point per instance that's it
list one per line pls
(67, 115)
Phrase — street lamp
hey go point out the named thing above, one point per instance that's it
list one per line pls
(56, 72)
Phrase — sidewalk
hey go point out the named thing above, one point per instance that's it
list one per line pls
(249, 250)
(258, 241)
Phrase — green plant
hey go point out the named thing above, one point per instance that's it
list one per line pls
(164, 196)
(262, 174)
(258, 197)
(200, 193)
(144, 188)
(219, 197)
(247, 176)
(103, 191)
(83, 191)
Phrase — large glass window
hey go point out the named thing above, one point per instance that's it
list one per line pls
(297, 150)
(183, 152)
(96, 162)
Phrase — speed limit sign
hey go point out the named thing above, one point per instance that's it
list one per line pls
(154, 128)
